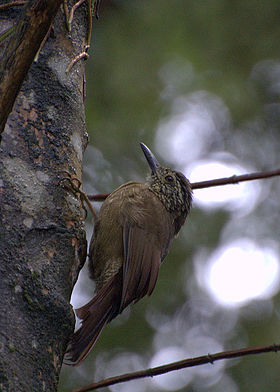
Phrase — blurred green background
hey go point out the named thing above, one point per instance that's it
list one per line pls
(198, 81)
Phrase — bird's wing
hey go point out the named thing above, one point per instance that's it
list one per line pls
(142, 259)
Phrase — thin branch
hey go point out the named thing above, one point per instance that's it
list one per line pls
(98, 197)
(186, 363)
(30, 31)
(12, 4)
(235, 179)
(207, 184)
(43, 43)
(71, 13)
(69, 16)
(82, 55)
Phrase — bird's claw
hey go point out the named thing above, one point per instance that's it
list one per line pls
(71, 182)
(74, 186)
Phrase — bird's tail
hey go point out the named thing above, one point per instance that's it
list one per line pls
(94, 315)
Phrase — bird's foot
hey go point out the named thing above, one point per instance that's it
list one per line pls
(73, 184)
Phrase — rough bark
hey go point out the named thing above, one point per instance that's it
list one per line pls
(42, 239)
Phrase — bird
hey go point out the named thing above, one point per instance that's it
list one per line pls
(132, 235)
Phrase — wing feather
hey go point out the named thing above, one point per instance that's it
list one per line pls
(141, 263)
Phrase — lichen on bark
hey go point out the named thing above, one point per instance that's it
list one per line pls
(42, 237)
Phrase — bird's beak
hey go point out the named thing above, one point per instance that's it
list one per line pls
(152, 161)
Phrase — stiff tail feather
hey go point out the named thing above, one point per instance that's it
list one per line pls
(94, 315)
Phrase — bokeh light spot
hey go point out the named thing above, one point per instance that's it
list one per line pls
(173, 380)
(242, 271)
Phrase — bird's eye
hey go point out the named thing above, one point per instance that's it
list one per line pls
(169, 178)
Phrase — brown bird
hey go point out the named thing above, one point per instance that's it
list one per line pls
(132, 236)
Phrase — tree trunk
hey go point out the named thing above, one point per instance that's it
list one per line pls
(42, 238)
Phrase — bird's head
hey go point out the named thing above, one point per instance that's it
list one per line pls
(171, 187)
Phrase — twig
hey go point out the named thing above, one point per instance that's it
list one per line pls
(66, 12)
(235, 179)
(82, 55)
(69, 18)
(12, 4)
(207, 184)
(71, 13)
(98, 197)
(43, 43)
(186, 363)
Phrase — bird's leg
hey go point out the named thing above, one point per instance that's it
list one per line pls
(74, 185)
